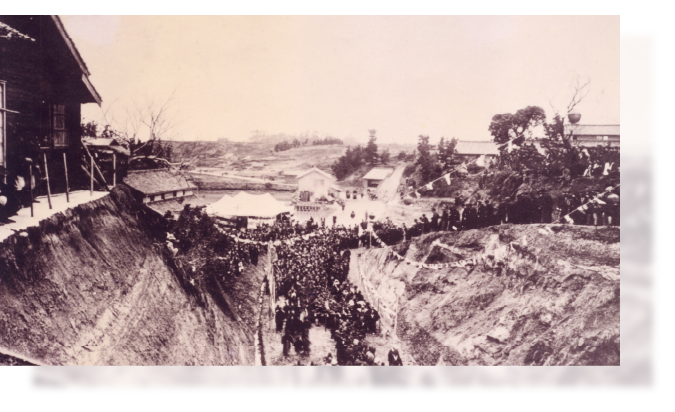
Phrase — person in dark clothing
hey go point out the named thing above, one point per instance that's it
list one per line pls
(335, 218)
(453, 221)
(287, 341)
(434, 221)
(490, 214)
(546, 208)
(279, 317)
(425, 224)
(469, 217)
(253, 252)
(482, 215)
(445, 219)
(394, 358)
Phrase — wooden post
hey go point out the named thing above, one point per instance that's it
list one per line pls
(105, 184)
(65, 168)
(91, 175)
(30, 183)
(49, 192)
(114, 169)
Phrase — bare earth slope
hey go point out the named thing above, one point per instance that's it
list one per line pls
(90, 286)
(550, 298)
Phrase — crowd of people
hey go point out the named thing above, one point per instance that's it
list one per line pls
(311, 276)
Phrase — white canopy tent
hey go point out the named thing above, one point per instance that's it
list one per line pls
(245, 204)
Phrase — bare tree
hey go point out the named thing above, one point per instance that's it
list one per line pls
(580, 89)
(152, 115)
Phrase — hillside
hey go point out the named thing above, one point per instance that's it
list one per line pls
(92, 286)
(544, 297)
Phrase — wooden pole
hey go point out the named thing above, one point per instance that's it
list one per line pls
(91, 174)
(105, 184)
(49, 192)
(114, 169)
(30, 169)
(65, 168)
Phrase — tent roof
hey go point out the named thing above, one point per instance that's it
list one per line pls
(246, 204)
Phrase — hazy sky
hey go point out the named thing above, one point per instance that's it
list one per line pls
(404, 76)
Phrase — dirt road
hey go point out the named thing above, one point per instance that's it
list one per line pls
(387, 189)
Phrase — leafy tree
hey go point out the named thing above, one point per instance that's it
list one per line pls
(518, 126)
(371, 148)
(349, 162)
(384, 157)
(425, 160)
(402, 156)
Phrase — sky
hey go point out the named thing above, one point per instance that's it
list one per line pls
(341, 76)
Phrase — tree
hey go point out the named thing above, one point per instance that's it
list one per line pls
(371, 148)
(155, 116)
(401, 156)
(425, 161)
(384, 157)
(556, 129)
(349, 162)
(518, 126)
(561, 153)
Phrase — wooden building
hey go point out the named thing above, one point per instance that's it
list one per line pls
(467, 150)
(590, 135)
(156, 185)
(43, 84)
(376, 176)
(315, 184)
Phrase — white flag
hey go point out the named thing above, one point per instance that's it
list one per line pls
(481, 161)
(569, 220)
(417, 194)
(429, 186)
(608, 167)
(509, 146)
(447, 179)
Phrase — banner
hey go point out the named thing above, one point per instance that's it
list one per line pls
(447, 179)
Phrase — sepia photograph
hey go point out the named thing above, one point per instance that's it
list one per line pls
(310, 191)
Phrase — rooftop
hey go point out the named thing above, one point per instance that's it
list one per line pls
(593, 129)
(155, 181)
(378, 173)
(314, 169)
(465, 147)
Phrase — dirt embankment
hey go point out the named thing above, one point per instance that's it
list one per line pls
(545, 297)
(93, 286)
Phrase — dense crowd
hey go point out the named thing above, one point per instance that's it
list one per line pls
(311, 275)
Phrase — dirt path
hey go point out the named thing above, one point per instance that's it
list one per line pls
(321, 346)
(387, 189)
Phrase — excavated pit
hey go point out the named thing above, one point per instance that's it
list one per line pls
(548, 295)
(95, 285)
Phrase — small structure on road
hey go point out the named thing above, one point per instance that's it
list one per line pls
(376, 176)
